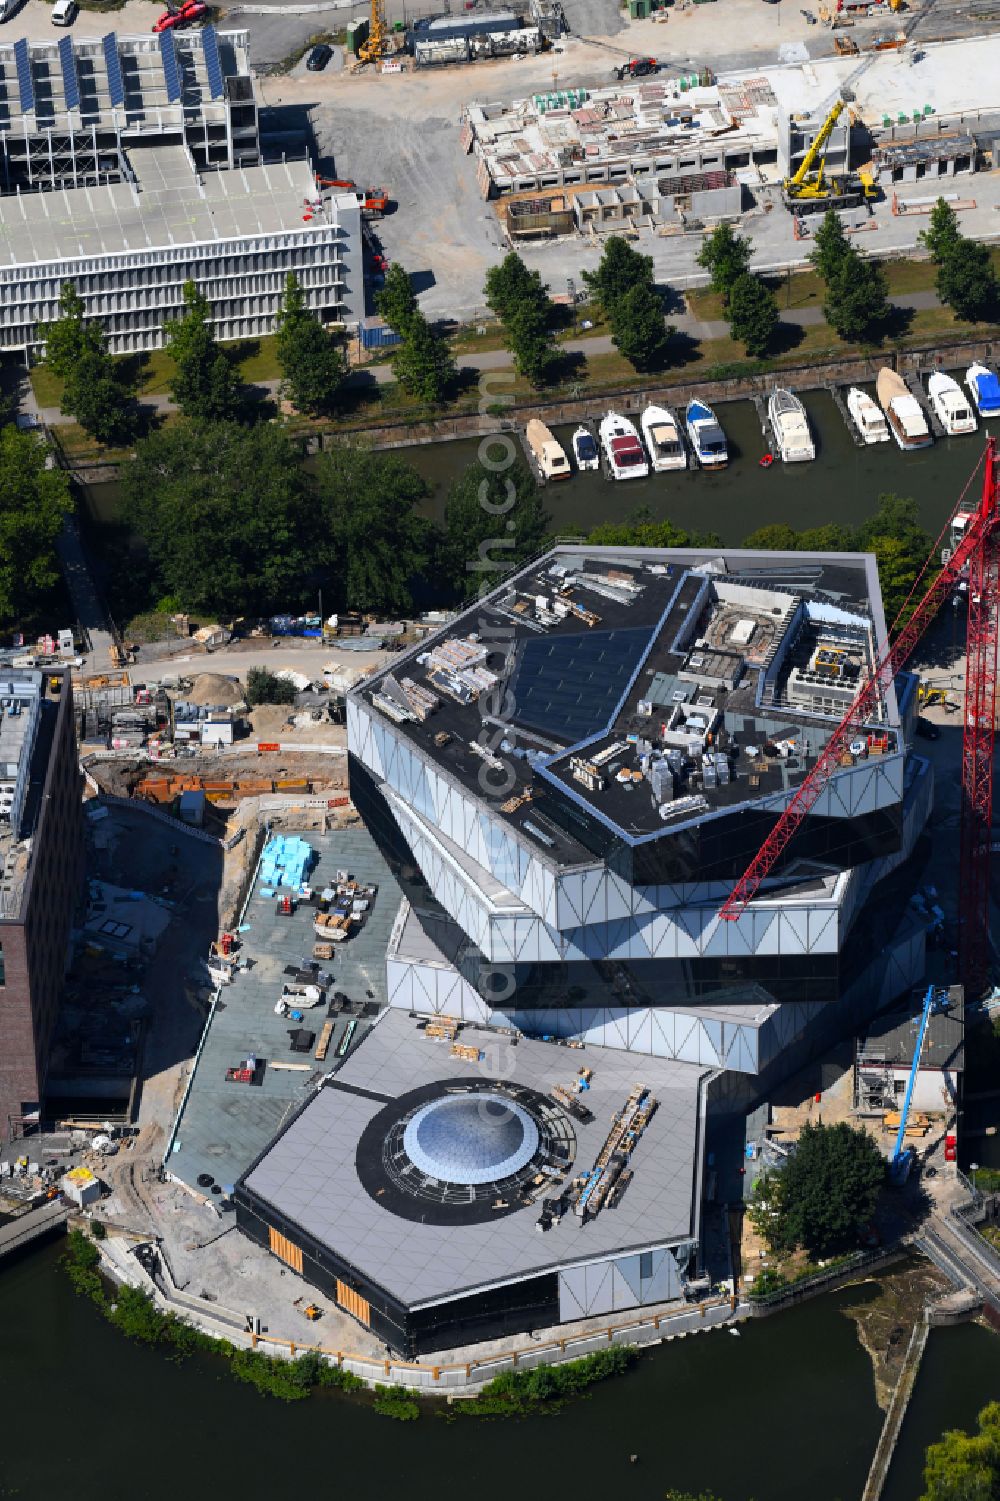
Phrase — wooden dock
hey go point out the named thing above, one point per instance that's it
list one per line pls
(916, 388)
(766, 430)
(837, 392)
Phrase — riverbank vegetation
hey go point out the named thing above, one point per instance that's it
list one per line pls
(511, 1394)
(966, 1466)
(545, 1388)
(34, 502)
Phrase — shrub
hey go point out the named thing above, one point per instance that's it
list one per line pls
(391, 1403)
(265, 687)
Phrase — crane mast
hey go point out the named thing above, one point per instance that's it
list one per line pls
(980, 549)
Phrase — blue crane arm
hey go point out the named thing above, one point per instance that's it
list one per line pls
(924, 1019)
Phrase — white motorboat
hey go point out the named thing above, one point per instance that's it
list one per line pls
(949, 405)
(903, 411)
(868, 420)
(546, 452)
(706, 436)
(625, 456)
(585, 450)
(984, 388)
(664, 441)
(790, 426)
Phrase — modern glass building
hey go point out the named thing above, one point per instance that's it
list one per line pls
(570, 776)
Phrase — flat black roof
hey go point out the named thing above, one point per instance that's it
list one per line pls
(576, 645)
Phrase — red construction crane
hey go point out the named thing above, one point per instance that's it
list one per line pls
(979, 548)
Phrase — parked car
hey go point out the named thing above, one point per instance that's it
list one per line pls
(64, 12)
(172, 19)
(319, 57)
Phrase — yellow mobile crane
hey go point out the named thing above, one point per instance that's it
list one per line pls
(379, 42)
(811, 188)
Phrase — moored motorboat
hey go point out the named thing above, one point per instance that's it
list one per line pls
(664, 441)
(903, 411)
(950, 405)
(585, 450)
(790, 426)
(624, 454)
(984, 388)
(869, 421)
(706, 436)
(546, 452)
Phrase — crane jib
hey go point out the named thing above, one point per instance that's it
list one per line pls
(984, 520)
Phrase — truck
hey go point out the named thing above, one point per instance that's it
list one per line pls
(637, 67)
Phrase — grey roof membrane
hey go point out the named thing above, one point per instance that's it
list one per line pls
(225, 1126)
(173, 207)
(309, 1176)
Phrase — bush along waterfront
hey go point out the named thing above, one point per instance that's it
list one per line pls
(511, 1394)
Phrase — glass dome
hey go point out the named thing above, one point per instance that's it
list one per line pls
(471, 1138)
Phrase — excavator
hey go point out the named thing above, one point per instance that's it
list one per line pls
(810, 188)
(374, 201)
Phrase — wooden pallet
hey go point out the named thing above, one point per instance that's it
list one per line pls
(325, 1038)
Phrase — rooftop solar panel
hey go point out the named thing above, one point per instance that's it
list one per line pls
(116, 84)
(213, 65)
(25, 84)
(71, 83)
(171, 72)
(569, 686)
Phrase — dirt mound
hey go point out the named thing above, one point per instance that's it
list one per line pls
(213, 688)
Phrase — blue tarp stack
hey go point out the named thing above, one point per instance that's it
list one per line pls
(286, 861)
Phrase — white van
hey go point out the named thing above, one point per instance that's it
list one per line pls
(64, 12)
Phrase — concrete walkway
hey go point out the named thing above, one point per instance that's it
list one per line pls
(501, 359)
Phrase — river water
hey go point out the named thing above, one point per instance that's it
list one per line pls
(784, 1412)
(842, 485)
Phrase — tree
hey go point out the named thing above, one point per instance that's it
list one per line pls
(423, 363)
(726, 256)
(265, 687)
(638, 330)
(942, 233)
(640, 530)
(93, 389)
(778, 537)
(621, 269)
(828, 1189)
(66, 337)
(224, 512)
(509, 286)
(832, 246)
(963, 1466)
(753, 314)
(492, 522)
(312, 362)
(856, 301)
(371, 540)
(204, 384)
(966, 281)
(34, 502)
(519, 299)
(395, 301)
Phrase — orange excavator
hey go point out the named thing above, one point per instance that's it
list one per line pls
(374, 201)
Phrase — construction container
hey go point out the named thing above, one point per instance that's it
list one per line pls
(376, 334)
(638, 9)
(357, 35)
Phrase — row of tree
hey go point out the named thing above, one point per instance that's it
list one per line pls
(100, 391)
(748, 301)
(233, 524)
(966, 281)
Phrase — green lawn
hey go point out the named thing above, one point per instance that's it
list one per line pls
(256, 360)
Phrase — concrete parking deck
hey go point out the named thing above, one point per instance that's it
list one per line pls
(223, 1126)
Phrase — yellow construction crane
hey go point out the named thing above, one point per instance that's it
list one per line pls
(379, 43)
(810, 185)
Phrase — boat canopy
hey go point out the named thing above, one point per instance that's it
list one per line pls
(585, 446)
(988, 387)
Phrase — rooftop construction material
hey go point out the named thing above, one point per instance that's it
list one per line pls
(286, 861)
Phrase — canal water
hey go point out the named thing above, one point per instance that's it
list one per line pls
(783, 1412)
(842, 485)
